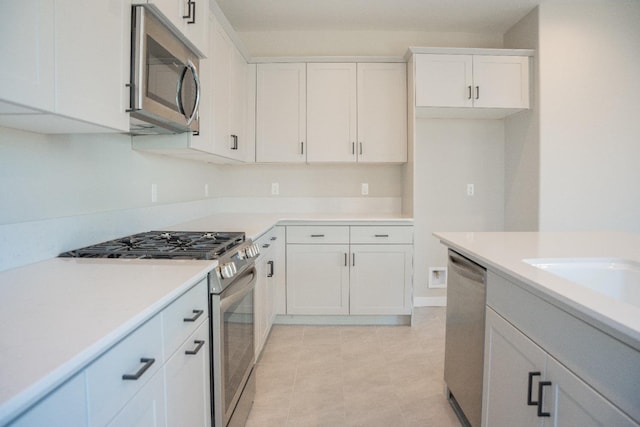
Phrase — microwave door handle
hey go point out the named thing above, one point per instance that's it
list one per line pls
(137, 60)
(180, 86)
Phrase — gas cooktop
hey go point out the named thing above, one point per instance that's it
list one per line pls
(163, 245)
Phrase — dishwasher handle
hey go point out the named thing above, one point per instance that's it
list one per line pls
(467, 268)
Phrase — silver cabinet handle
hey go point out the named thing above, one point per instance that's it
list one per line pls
(353, 259)
(147, 364)
(470, 91)
(317, 235)
(381, 235)
(197, 313)
(345, 259)
(199, 344)
(353, 148)
(266, 245)
(274, 238)
(477, 92)
(234, 142)
(302, 147)
(361, 148)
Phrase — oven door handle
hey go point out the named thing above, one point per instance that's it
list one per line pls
(239, 289)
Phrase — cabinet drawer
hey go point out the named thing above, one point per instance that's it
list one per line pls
(321, 234)
(381, 234)
(267, 241)
(107, 390)
(184, 315)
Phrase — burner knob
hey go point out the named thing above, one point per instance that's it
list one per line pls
(228, 270)
(253, 251)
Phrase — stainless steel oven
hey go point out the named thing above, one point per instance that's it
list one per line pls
(232, 356)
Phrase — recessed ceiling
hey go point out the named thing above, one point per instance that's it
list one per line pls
(471, 16)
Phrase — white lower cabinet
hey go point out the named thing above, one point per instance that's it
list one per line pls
(66, 406)
(525, 386)
(187, 382)
(380, 279)
(357, 270)
(270, 271)
(146, 409)
(317, 279)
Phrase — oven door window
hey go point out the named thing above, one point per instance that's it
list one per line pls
(238, 345)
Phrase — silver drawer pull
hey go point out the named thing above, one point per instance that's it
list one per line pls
(141, 371)
(381, 235)
(199, 344)
(197, 313)
(274, 238)
(266, 245)
(317, 235)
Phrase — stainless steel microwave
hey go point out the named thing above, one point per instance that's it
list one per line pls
(164, 86)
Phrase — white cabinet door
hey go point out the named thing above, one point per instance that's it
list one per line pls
(331, 112)
(222, 57)
(146, 408)
(189, 17)
(281, 113)
(509, 360)
(571, 402)
(382, 112)
(27, 50)
(380, 279)
(188, 382)
(279, 271)
(65, 406)
(229, 92)
(443, 80)
(317, 279)
(91, 81)
(501, 81)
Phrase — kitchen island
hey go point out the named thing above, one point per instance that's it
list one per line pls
(571, 350)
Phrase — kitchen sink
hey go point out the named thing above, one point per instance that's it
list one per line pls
(614, 277)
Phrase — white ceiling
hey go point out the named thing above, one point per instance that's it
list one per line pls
(475, 16)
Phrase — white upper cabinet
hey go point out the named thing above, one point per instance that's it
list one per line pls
(281, 117)
(230, 94)
(382, 112)
(92, 80)
(27, 52)
(59, 81)
(480, 81)
(444, 80)
(331, 112)
(501, 81)
(190, 17)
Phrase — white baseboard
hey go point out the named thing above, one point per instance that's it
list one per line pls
(430, 302)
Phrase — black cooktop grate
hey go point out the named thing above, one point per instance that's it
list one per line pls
(163, 245)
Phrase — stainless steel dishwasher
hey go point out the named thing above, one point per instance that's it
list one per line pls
(464, 339)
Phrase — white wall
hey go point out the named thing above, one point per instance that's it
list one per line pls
(449, 154)
(357, 43)
(590, 109)
(522, 140)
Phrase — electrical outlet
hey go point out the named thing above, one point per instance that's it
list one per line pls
(437, 277)
(470, 190)
(275, 188)
(154, 193)
(365, 189)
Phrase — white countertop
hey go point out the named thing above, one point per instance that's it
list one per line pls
(59, 315)
(256, 224)
(504, 253)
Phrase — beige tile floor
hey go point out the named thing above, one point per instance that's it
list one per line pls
(334, 376)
